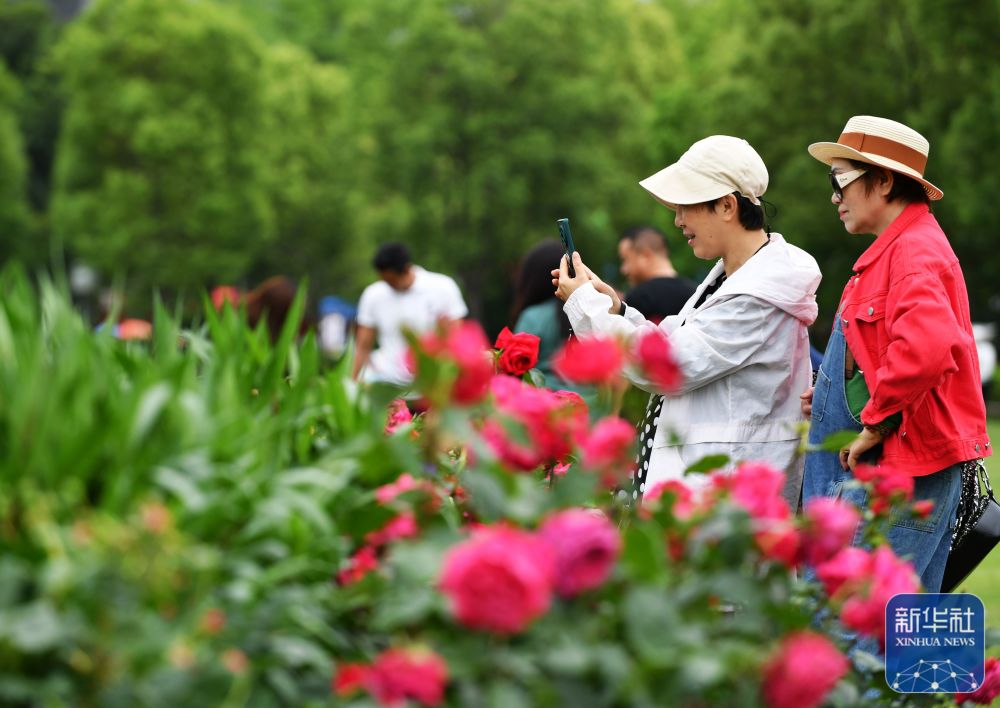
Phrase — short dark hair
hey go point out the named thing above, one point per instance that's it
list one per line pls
(904, 188)
(751, 215)
(392, 256)
(646, 237)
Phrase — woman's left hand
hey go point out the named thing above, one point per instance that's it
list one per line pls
(866, 440)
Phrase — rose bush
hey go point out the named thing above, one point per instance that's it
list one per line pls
(241, 524)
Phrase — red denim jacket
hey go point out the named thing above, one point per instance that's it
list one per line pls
(905, 315)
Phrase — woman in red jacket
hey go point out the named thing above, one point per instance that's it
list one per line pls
(901, 366)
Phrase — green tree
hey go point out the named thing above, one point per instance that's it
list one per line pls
(161, 169)
(484, 122)
(786, 73)
(14, 214)
(309, 155)
(27, 30)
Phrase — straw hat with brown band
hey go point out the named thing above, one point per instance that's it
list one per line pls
(882, 142)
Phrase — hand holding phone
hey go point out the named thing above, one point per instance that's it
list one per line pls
(567, 240)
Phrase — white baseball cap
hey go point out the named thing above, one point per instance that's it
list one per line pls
(711, 168)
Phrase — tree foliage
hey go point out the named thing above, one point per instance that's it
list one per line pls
(485, 122)
(161, 163)
(239, 138)
(14, 215)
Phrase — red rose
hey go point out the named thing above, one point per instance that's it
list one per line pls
(399, 675)
(586, 546)
(652, 353)
(358, 566)
(595, 360)
(830, 526)
(349, 679)
(499, 580)
(985, 694)
(519, 352)
(803, 670)
(889, 486)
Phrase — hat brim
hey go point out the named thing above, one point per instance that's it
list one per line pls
(827, 152)
(679, 185)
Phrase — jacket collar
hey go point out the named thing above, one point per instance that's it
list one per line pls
(911, 213)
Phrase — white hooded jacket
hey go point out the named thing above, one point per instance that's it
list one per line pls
(744, 356)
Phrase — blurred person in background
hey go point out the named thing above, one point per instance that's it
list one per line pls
(740, 343)
(271, 301)
(655, 288)
(538, 311)
(405, 296)
(900, 367)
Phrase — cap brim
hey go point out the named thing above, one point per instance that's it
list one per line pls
(679, 185)
(827, 152)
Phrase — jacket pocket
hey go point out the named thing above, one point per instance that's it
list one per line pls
(870, 322)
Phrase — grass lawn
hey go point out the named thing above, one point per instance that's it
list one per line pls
(985, 580)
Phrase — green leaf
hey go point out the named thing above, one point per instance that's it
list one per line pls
(836, 442)
(33, 628)
(709, 463)
(650, 621)
(486, 494)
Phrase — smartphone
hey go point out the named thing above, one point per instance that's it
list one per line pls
(567, 240)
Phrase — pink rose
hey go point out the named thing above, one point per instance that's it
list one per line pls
(464, 344)
(399, 675)
(847, 567)
(609, 445)
(514, 454)
(402, 526)
(540, 426)
(803, 670)
(652, 353)
(586, 546)
(685, 504)
(499, 580)
(830, 526)
(519, 352)
(757, 487)
(595, 360)
(399, 415)
(404, 483)
(985, 694)
(864, 610)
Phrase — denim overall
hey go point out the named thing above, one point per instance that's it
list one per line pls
(924, 542)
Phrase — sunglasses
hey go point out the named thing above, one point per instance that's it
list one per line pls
(839, 180)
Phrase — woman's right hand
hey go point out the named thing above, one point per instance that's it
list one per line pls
(806, 400)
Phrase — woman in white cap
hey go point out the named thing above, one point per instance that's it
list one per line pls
(901, 367)
(740, 341)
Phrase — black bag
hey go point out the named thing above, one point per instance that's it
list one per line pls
(978, 527)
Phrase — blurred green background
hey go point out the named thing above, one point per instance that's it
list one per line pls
(179, 144)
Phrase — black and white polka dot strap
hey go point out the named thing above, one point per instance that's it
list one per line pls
(647, 431)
